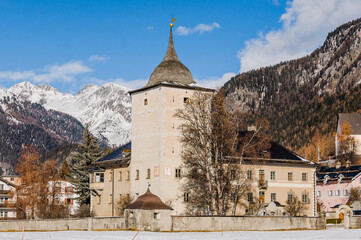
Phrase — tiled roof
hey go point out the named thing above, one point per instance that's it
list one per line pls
(117, 154)
(264, 148)
(114, 158)
(334, 174)
(148, 201)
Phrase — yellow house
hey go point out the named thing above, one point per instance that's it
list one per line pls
(110, 182)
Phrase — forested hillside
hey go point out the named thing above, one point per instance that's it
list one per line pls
(22, 122)
(302, 96)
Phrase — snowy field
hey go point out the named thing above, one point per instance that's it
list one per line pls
(129, 235)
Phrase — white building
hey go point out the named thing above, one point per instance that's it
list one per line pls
(65, 194)
(7, 197)
(156, 149)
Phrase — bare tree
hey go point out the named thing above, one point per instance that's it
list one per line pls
(212, 175)
(122, 203)
(347, 144)
(295, 207)
(354, 195)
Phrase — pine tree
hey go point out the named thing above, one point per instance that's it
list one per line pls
(79, 171)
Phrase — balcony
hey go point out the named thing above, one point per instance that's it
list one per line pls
(263, 184)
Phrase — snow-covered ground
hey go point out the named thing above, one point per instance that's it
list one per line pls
(76, 235)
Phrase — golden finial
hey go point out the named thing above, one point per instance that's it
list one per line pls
(173, 20)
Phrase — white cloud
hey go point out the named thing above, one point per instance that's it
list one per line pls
(150, 28)
(305, 25)
(215, 82)
(97, 58)
(200, 28)
(50, 73)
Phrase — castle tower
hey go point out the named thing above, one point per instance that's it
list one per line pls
(156, 150)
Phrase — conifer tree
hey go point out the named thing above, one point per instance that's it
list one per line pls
(79, 171)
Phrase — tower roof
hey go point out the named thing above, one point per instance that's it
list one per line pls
(171, 70)
(148, 201)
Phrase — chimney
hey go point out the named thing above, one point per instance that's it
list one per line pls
(348, 164)
(338, 164)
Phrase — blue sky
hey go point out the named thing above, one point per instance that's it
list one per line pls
(71, 43)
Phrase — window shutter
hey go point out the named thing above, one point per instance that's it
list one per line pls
(65, 201)
(72, 201)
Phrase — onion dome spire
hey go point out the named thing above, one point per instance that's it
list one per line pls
(171, 70)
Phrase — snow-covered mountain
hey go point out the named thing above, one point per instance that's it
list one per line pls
(106, 109)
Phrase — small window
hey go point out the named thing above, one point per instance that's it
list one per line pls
(290, 176)
(305, 198)
(319, 194)
(304, 177)
(99, 177)
(69, 189)
(273, 197)
(345, 192)
(290, 197)
(1, 187)
(249, 174)
(250, 197)
(146, 101)
(177, 172)
(128, 175)
(329, 192)
(136, 174)
(273, 175)
(186, 100)
(12, 179)
(233, 174)
(68, 201)
(120, 176)
(156, 215)
(57, 189)
(148, 173)
(337, 192)
(186, 197)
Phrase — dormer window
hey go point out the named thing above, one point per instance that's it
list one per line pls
(146, 101)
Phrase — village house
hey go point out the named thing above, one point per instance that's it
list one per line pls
(334, 183)
(155, 159)
(65, 194)
(110, 182)
(8, 188)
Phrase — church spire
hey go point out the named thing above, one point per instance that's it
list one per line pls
(171, 54)
(171, 70)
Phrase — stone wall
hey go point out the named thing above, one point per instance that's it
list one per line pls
(355, 222)
(82, 224)
(245, 223)
(172, 223)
